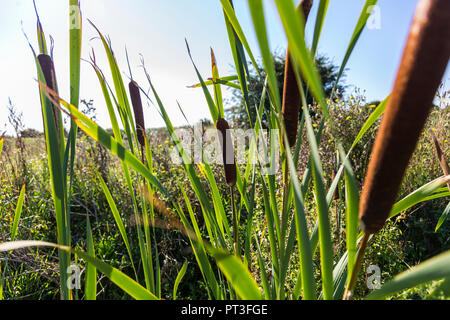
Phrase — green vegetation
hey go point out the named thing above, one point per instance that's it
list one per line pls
(114, 203)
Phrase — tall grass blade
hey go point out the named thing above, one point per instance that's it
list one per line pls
(433, 269)
(238, 274)
(178, 279)
(91, 270)
(321, 13)
(117, 217)
(17, 214)
(365, 14)
(443, 217)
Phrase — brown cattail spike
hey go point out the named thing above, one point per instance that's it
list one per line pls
(226, 145)
(291, 93)
(423, 64)
(48, 69)
(138, 111)
(440, 157)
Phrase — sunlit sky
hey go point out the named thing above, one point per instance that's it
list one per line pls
(157, 29)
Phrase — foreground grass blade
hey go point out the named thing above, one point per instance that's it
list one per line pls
(293, 26)
(326, 248)
(419, 195)
(124, 282)
(257, 12)
(365, 14)
(57, 178)
(443, 217)
(237, 273)
(178, 279)
(433, 269)
(352, 203)
(17, 214)
(117, 217)
(231, 15)
(321, 13)
(91, 270)
(370, 121)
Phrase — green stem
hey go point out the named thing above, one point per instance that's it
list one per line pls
(351, 284)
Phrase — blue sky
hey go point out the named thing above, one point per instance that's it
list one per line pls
(157, 29)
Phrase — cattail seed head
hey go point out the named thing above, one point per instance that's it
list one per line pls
(291, 93)
(440, 156)
(138, 111)
(418, 78)
(226, 145)
(48, 70)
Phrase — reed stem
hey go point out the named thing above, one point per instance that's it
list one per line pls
(354, 276)
(235, 226)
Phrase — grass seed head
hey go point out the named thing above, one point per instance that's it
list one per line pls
(418, 79)
(227, 151)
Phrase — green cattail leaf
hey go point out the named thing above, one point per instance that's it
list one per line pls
(257, 12)
(237, 273)
(435, 268)
(231, 15)
(321, 13)
(443, 217)
(17, 214)
(179, 278)
(365, 14)
(226, 81)
(91, 270)
(117, 217)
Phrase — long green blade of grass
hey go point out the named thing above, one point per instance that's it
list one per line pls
(326, 248)
(238, 274)
(178, 279)
(352, 207)
(419, 195)
(257, 12)
(433, 269)
(17, 214)
(365, 14)
(443, 217)
(117, 217)
(292, 23)
(226, 81)
(321, 13)
(56, 178)
(91, 270)
(199, 249)
(231, 15)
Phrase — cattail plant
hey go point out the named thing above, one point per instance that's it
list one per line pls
(48, 70)
(226, 145)
(291, 93)
(138, 111)
(418, 78)
(230, 169)
(440, 157)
